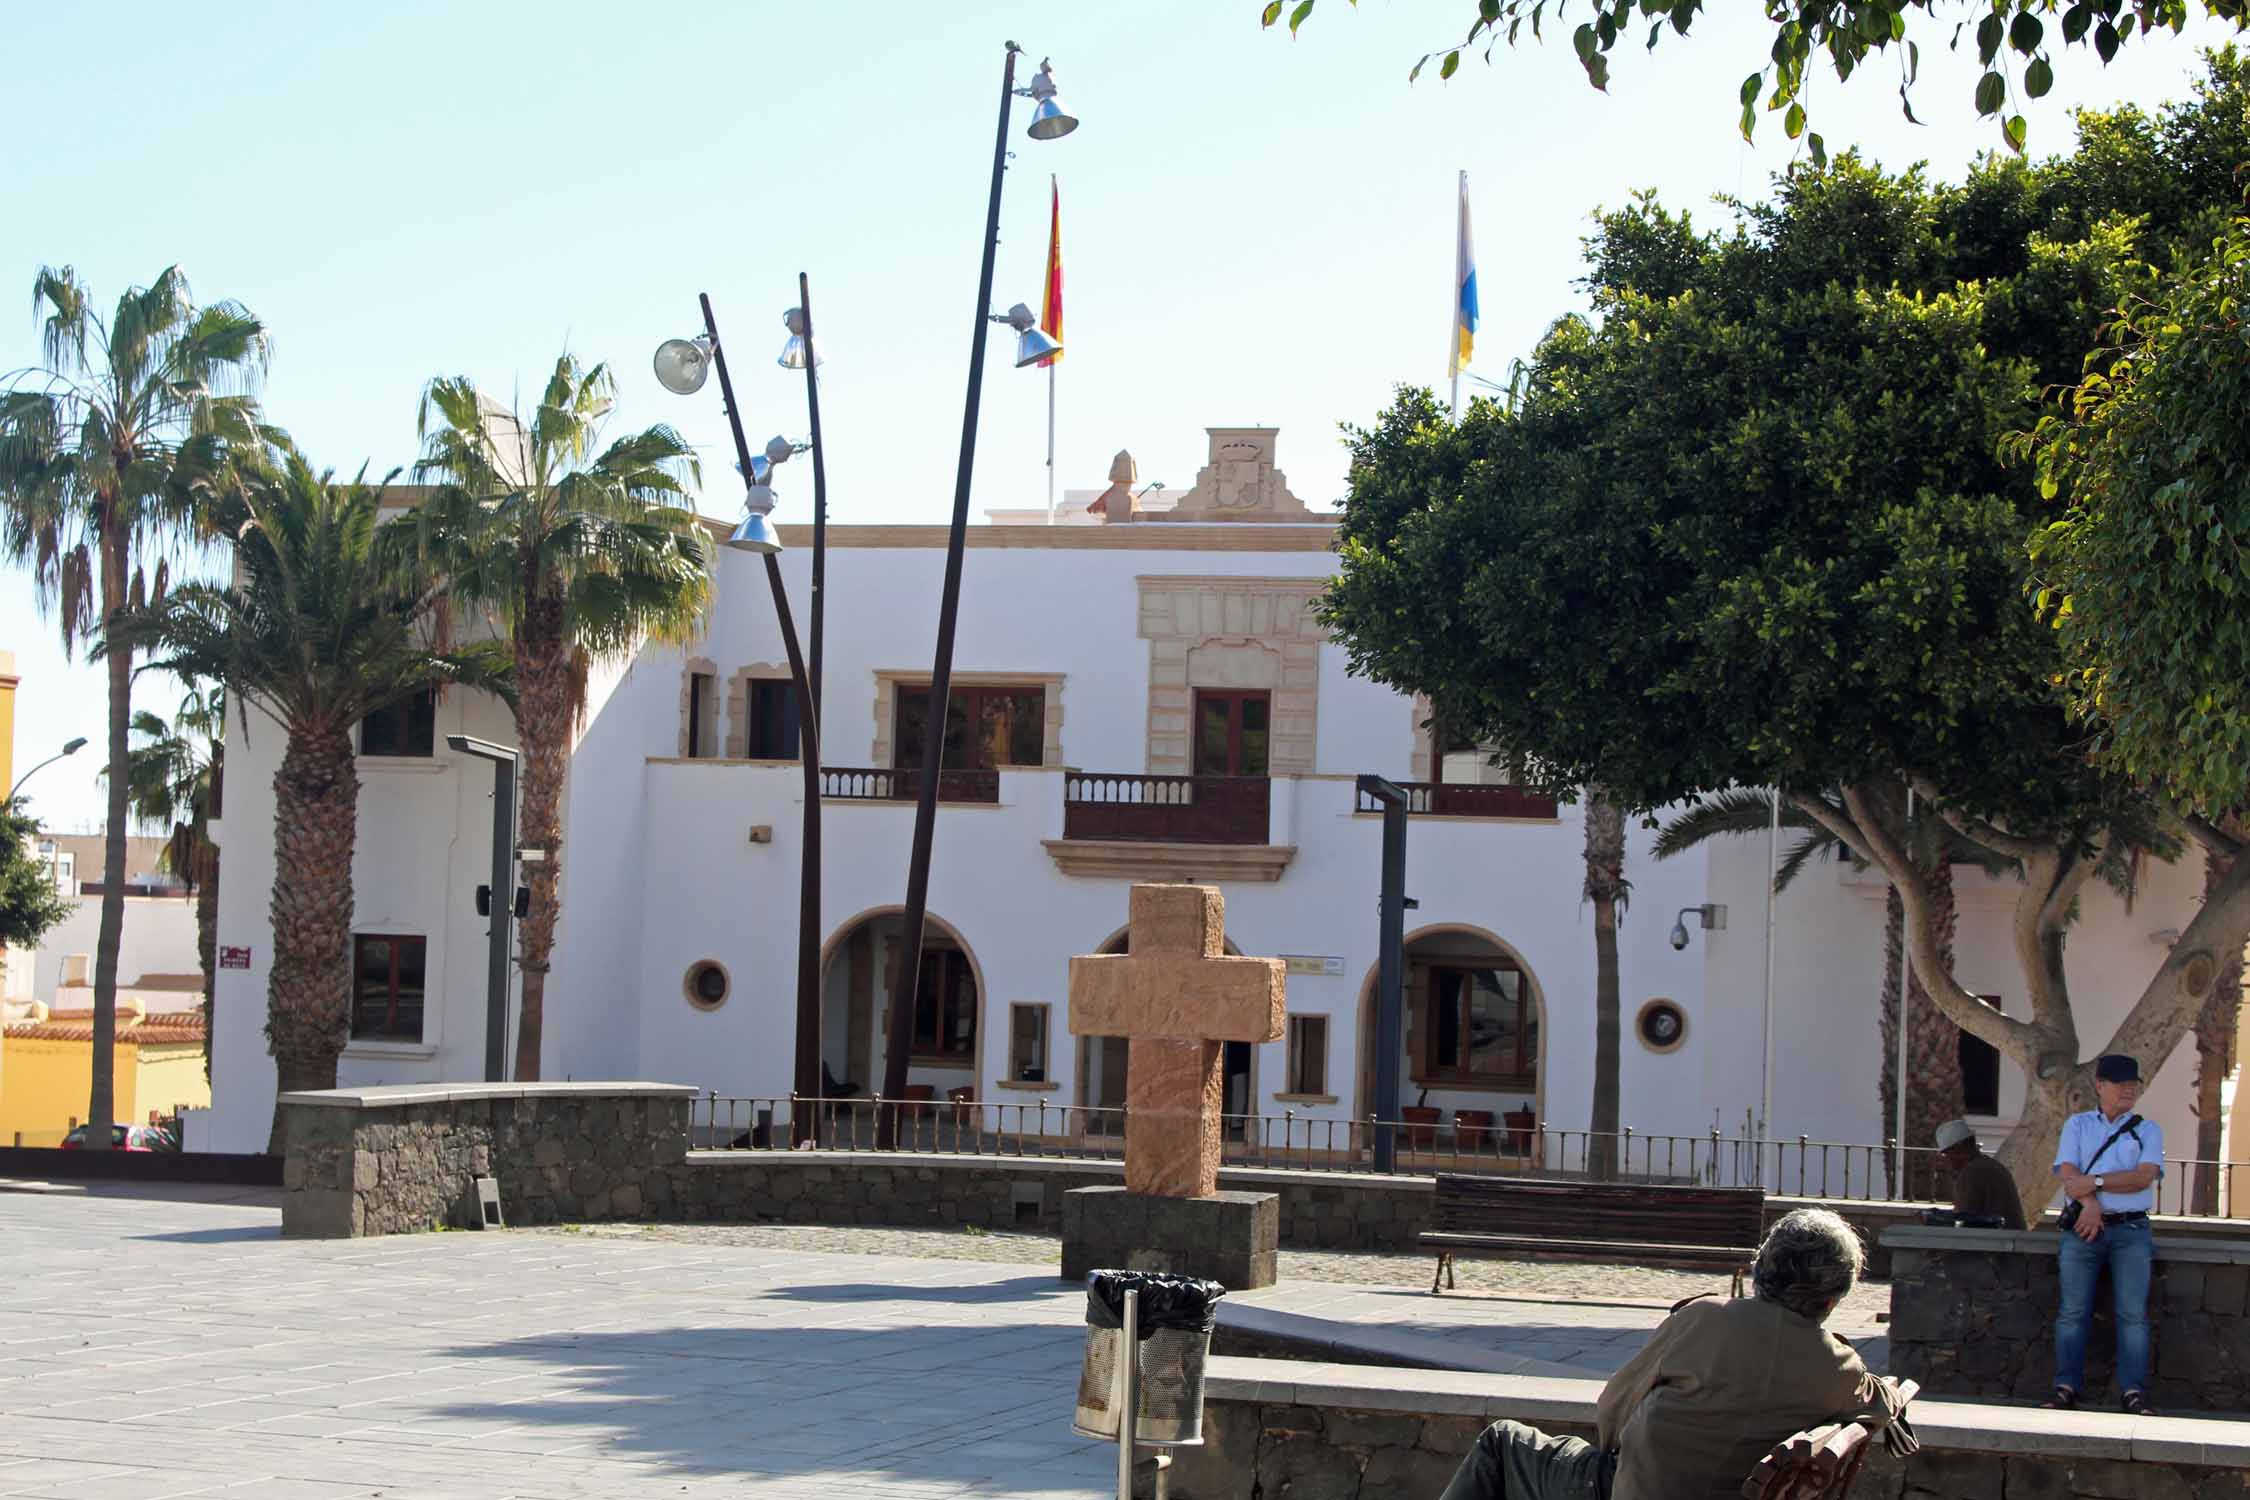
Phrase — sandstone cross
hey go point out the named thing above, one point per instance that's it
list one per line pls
(1176, 997)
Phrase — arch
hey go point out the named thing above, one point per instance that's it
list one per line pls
(938, 933)
(1242, 1064)
(1365, 1103)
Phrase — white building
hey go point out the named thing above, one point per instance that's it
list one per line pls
(1094, 662)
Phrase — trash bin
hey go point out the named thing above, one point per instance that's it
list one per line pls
(1175, 1318)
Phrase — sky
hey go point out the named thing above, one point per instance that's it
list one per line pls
(1256, 230)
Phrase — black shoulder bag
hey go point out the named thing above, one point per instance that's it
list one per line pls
(2074, 1209)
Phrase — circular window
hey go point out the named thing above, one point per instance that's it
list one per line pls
(707, 985)
(1662, 1026)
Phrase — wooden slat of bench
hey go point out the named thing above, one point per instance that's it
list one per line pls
(1542, 1247)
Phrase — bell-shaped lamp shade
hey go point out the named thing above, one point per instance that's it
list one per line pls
(793, 354)
(1033, 346)
(1048, 120)
(778, 449)
(756, 534)
(682, 365)
(761, 471)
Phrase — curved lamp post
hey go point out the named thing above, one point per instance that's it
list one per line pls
(70, 747)
(1048, 122)
(682, 366)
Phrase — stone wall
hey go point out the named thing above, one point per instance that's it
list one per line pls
(400, 1159)
(1349, 1432)
(1972, 1314)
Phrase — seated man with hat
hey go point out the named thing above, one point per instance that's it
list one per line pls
(1982, 1188)
(2109, 1160)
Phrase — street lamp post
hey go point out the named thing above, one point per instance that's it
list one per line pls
(1048, 122)
(680, 365)
(70, 747)
(499, 897)
(799, 353)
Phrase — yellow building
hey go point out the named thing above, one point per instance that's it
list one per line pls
(8, 680)
(49, 1063)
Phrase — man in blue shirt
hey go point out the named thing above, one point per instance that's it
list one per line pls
(2112, 1176)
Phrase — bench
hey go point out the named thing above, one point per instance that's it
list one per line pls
(1685, 1228)
(1819, 1463)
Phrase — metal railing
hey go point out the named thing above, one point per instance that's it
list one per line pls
(1468, 799)
(1172, 809)
(1837, 1171)
(903, 783)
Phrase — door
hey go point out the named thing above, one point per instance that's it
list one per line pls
(1231, 732)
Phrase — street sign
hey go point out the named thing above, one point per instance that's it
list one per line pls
(234, 958)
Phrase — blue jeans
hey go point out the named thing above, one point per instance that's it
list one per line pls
(2128, 1249)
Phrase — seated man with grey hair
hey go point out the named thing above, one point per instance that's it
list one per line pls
(1717, 1388)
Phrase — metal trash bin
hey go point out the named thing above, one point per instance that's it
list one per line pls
(1176, 1315)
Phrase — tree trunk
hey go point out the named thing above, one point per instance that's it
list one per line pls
(101, 1106)
(2215, 1030)
(1894, 973)
(207, 938)
(1933, 1049)
(1605, 888)
(544, 712)
(308, 995)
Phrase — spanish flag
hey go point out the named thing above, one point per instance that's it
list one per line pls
(1050, 302)
(1464, 290)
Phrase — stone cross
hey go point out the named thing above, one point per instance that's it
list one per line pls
(1176, 997)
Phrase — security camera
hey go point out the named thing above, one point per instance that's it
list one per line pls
(1679, 936)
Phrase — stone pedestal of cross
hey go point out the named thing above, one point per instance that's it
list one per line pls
(1176, 997)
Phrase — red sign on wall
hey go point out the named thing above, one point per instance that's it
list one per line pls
(234, 958)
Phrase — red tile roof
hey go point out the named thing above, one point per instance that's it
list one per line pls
(184, 1027)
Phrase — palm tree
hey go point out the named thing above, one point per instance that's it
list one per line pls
(575, 557)
(175, 787)
(1608, 889)
(108, 451)
(331, 620)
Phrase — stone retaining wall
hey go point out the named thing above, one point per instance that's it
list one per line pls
(1351, 1432)
(1972, 1314)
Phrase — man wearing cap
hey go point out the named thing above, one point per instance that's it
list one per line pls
(1982, 1188)
(2109, 1161)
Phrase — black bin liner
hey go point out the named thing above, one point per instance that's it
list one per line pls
(1186, 1304)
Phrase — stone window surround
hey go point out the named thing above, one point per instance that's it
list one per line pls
(738, 704)
(1640, 1025)
(1221, 632)
(688, 672)
(887, 679)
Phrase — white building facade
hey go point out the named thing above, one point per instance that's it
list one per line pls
(1147, 698)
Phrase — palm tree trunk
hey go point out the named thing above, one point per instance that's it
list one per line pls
(544, 711)
(308, 996)
(207, 937)
(1605, 888)
(101, 1106)
(2214, 1059)
(1933, 1046)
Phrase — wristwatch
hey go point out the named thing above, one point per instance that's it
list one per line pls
(2097, 1182)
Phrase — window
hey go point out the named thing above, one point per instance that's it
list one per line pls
(773, 719)
(1027, 1043)
(945, 1009)
(1479, 1027)
(1980, 1071)
(1308, 1054)
(407, 727)
(387, 988)
(1231, 733)
(1661, 1026)
(985, 727)
(702, 715)
(706, 985)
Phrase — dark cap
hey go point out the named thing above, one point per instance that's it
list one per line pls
(2116, 1067)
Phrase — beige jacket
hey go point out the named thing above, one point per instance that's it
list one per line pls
(1718, 1386)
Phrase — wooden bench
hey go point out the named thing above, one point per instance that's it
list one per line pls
(1686, 1228)
(1819, 1463)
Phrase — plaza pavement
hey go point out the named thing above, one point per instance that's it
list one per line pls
(163, 1342)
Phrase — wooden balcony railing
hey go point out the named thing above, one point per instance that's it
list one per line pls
(1468, 800)
(902, 784)
(1166, 809)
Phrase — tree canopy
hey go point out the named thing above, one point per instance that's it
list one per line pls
(2018, 43)
(29, 903)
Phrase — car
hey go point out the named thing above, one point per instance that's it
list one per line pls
(126, 1138)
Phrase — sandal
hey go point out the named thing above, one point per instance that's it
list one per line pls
(2064, 1399)
(2135, 1403)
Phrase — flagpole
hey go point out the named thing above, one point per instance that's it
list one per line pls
(1050, 307)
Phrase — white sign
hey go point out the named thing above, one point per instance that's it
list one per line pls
(1328, 965)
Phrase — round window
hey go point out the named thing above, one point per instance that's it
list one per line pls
(1662, 1026)
(707, 985)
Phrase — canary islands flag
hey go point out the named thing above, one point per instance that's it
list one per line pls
(1464, 290)
(1050, 302)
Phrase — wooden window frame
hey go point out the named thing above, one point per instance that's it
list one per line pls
(941, 1002)
(1234, 698)
(1046, 1034)
(1302, 1049)
(389, 1032)
(1429, 1073)
(755, 721)
(971, 696)
(397, 719)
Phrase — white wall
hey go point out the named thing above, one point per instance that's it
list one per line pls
(158, 937)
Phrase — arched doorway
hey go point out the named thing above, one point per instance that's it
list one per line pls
(1103, 1070)
(858, 967)
(1474, 1043)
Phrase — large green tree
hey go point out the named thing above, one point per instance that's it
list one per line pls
(573, 553)
(2016, 42)
(109, 453)
(332, 617)
(29, 902)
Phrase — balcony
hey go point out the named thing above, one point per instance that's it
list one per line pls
(1448, 799)
(1168, 827)
(904, 784)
